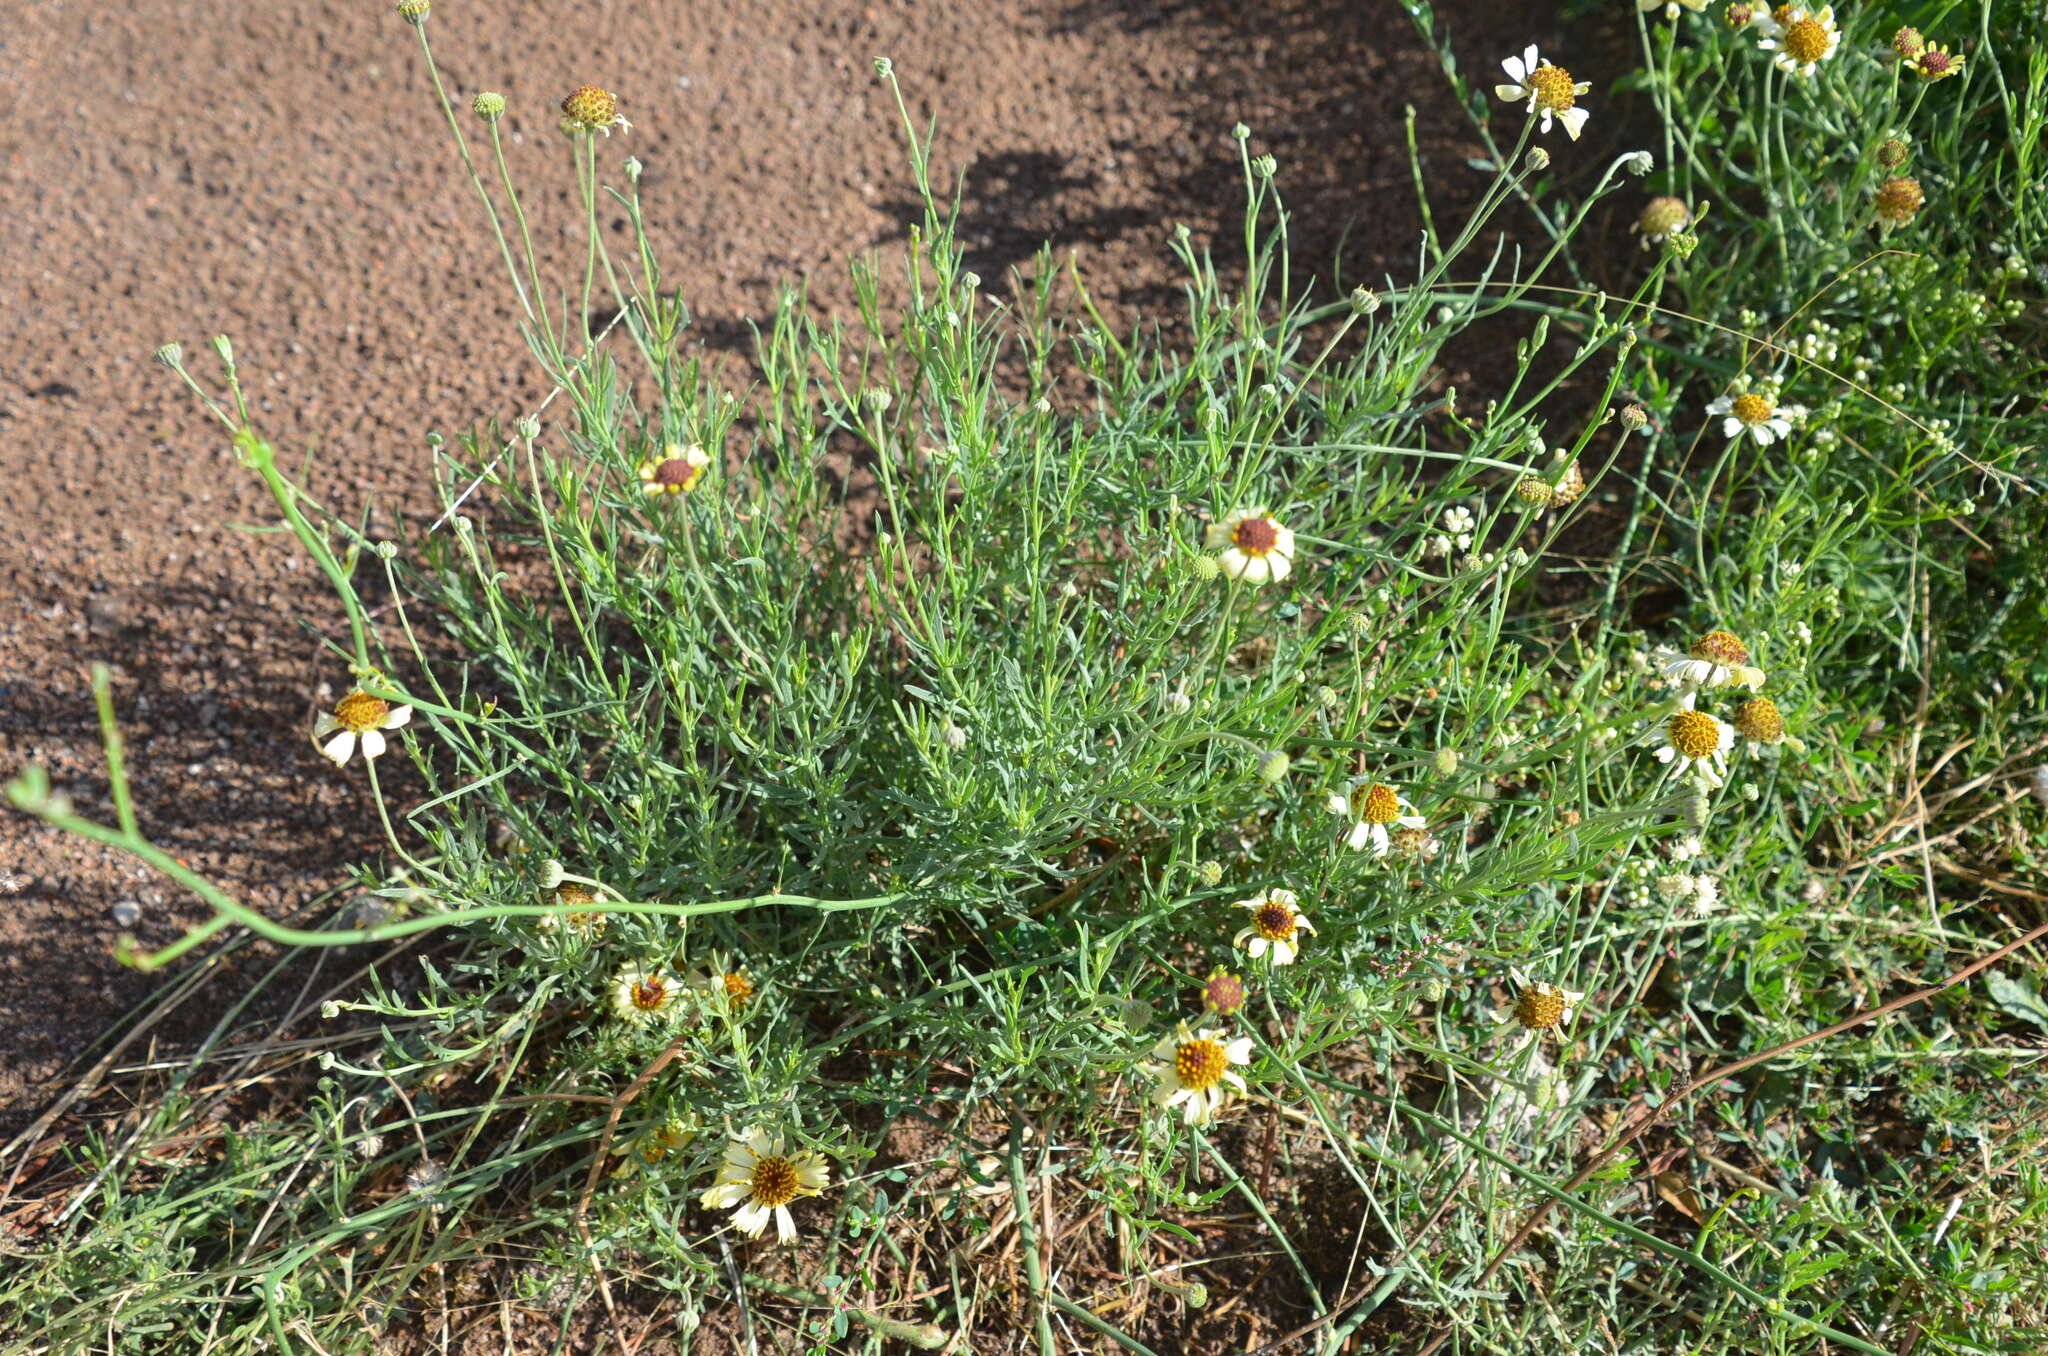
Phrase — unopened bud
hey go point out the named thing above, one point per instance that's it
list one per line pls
(884, 68)
(1445, 762)
(172, 356)
(488, 105)
(1537, 159)
(528, 427)
(413, 12)
(1634, 416)
(1364, 301)
(1273, 767)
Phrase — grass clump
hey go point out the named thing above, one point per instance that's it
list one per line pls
(1185, 841)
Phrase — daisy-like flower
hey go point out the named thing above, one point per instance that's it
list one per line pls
(581, 919)
(1716, 659)
(1550, 90)
(1192, 1069)
(725, 986)
(760, 1177)
(642, 994)
(1276, 926)
(1660, 219)
(676, 471)
(1936, 62)
(1252, 545)
(1538, 1007)
(1375, 809)
(1670, 7)
(1690, 738)
(1804, 39)
(358, 717)
(589, 109)
(1223, 993)
(1751, 412)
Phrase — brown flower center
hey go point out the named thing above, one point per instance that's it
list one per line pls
(650, 993)
(1806, 40)
(1720, 647)
(1555, 89)
(774, 1182)
(1274, 922)
(1223, 994)
(1759, 719)
(1539, 1007)
(1899, 199)
(359, 712)
(1695, 734)
(1935, 63)
(1378, 804)
(1753, 408)
(1739, 15)
(677, 472)
(1256, 536)
(1200, 1064)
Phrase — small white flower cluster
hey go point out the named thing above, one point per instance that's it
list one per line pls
(1699, 893)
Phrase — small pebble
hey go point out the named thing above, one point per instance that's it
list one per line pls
(126, 913)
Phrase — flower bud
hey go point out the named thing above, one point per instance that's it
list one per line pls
(488, 105)
(1273, 767)
(413, 12)
(1536, 159)
(1364, 301)
(172, 356)
(884, 68)
(528, 428)
(1445, 762)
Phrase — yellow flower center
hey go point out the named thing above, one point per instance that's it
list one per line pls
(1806, 40)
(1378, 804)
(1256, 536)
(1274, 922)
(1695, 734)
(359, 712)
(738, 988)
(591, 106)
(1719, 647)
(1555, 89)
(1539, 1007)
(1753, 408)
(1759, 719)
(774, 1182)
(1200, 1064)
(1782, 14)
(650, 993)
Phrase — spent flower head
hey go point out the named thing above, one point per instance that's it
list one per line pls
(760, 1177)
(1550, 91)
(1716, 659)
(1275, 928)
(1660, 219)
(1760, 721)
(588, 109)
(580, 917)
(1538, 1007)
(358, 718)
(1897, 202)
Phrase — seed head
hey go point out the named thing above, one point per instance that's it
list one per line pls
(1663, 216)
(1898, 202)
(1721, 647)
(1571, 483)
(1759, 719)
(171, 356)
(1534, 490)
(1908, 43)
(1635, 416)
(1892, 152)
(1210, 873)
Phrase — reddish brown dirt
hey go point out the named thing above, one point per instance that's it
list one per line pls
(280, 173)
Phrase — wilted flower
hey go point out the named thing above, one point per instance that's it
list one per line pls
(589, 109)
(1760, 720)
(676, 471)
(581, 918)
(1252, 545)
(1550, 90)
(1193, 1070)
(1716, 659)
(1276, 926)
(1661, 218)
(759, 1178)
(1538, 1007)
(1898, 201)
(358, 717)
